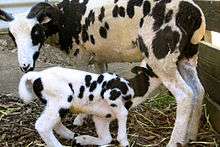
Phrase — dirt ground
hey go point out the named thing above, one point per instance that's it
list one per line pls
(150, 124)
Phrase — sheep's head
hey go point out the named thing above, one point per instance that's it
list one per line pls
(30, 30)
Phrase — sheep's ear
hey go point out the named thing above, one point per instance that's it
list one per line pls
(5, 16)
(43, 12)
(138, 69)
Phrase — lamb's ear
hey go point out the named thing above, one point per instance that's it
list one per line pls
(138, 69)
(5, 16)
(43, 12)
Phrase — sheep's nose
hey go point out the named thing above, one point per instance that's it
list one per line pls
(25, 68)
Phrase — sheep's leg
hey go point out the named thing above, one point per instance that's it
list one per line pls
(101, 67)
(79, 120)
(189, 74)
(45, 125)
(64, 132)
(104, 135)
(183, 94)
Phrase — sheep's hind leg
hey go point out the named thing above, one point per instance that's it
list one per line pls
(189, 74)
(104, 135)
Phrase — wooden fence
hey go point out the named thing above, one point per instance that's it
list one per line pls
(209, 62)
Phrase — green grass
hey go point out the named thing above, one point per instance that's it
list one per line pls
(161, 101)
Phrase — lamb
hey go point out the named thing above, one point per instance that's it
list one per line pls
(105, 96)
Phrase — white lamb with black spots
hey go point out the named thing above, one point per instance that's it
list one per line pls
(163, 33)
(105, 96)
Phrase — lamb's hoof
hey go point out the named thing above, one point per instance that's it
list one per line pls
(115, 142)
(123, 142)
(182, 145)
(75, 135)
(178, 144)
(74, 144)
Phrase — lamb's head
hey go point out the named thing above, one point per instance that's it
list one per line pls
(30, 30)
(140, 82)
(141, 73)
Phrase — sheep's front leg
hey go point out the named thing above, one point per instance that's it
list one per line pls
(104, 135)
(45, 125)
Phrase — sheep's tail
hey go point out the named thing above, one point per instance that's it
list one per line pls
(25, 86)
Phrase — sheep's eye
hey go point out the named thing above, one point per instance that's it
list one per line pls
(37, 34)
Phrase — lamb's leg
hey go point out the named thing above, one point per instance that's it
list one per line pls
(104, 135)
(189, 74)
(79, 120)
(183, 94)
(45, 125)
(64, 132)
(121, 115)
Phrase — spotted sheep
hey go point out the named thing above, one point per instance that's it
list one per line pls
(109, 30)
(162, 33)
(106, 96)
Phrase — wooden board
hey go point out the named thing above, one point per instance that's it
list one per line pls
(209, 73)
(211, 10)
(209, 70)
